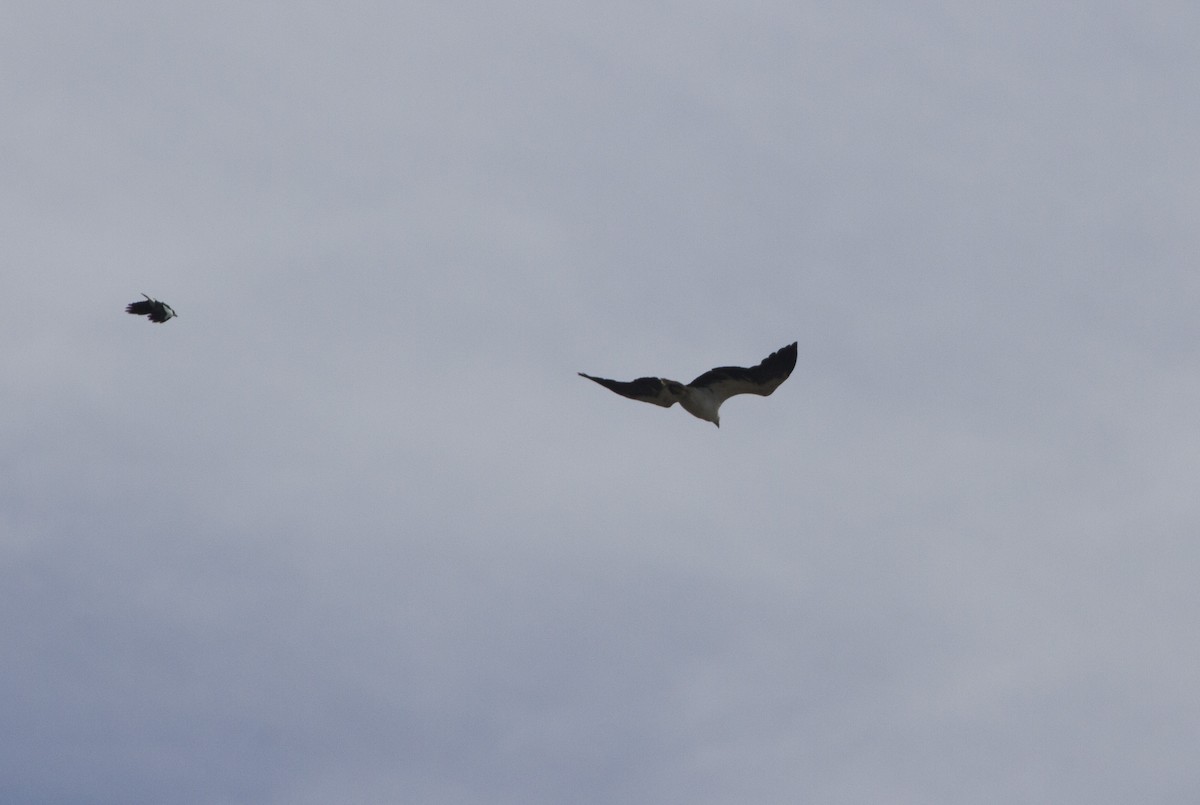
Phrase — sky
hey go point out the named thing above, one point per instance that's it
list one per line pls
(352, 529)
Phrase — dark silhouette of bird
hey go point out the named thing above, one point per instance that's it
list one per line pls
(158, 312)
(703, 396)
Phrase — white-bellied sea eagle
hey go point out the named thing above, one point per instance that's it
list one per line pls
(703, 396)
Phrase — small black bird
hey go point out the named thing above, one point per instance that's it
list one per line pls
(157, 311)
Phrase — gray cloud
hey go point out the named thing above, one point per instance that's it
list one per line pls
(351, 528)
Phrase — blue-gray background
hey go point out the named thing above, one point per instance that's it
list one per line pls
(351, 529)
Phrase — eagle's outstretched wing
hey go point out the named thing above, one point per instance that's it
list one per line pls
(647, 389)
(726, 381)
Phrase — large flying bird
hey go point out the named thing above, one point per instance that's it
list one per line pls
(703, 396)
(158, 312)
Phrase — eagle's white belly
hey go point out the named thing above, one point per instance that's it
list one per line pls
(702, 403)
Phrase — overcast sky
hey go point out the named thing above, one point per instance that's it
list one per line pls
(352, 530)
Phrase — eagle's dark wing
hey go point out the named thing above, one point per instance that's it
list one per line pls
(647, 389)
(726, 381)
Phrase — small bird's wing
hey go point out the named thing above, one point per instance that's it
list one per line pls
(647, 389)
(726, 381)
(140, 308)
